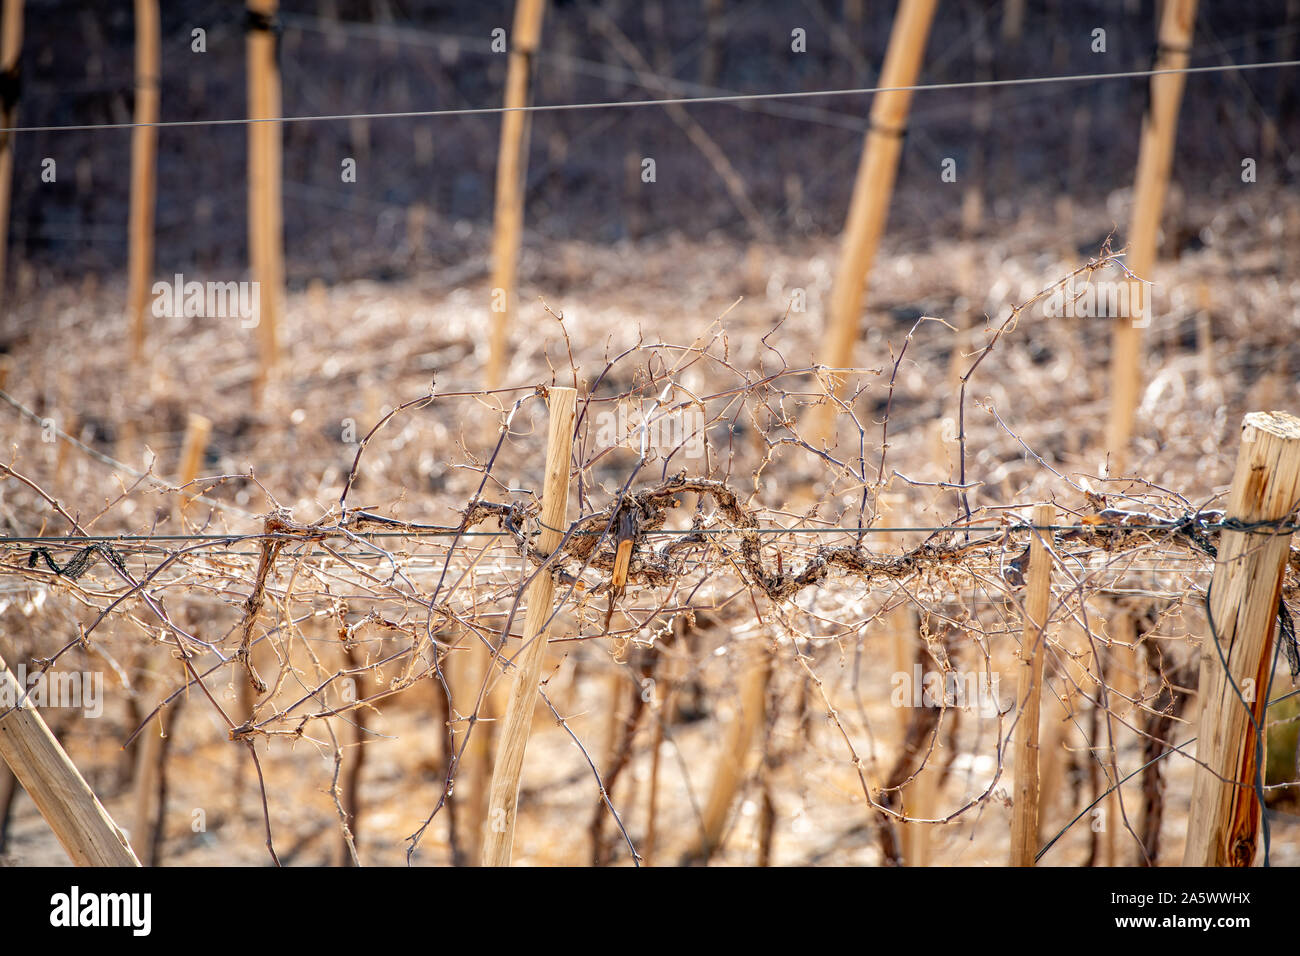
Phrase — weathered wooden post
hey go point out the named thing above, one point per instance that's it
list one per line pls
(60, 793)
(1237, 655)
(144, 153)
(1024, 812)
(265, 203)
(467, 672)
(151, 746)
(1155, 159)
(737, 748)
(872, 190)
(512, 165)
(198, 429)
(512, 737)
(11, 47)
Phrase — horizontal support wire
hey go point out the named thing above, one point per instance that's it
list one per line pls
(1274, 527)
(673, 101)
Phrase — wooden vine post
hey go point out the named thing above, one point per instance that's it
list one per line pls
(11, 47)
(512, 736)
(512, 166)
(467, 672)
(198, 429)
(1038, 594)
(151, 746)
(872, 190)
(1122, 669)
(1243, 607)
(265, 204)
(1155, 159)
(60, 793)
(742, 733)
(144, 153)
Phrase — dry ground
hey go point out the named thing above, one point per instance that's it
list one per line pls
(356, 348)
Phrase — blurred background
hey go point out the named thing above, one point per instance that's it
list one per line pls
(1021, 147)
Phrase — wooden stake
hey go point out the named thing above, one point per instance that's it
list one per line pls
(467, 670)
(148, 823)
(197, 431)
(872, 190)
(72, 810)
(1155, 159)
(1013, 20)
(713, 38)
(512, 165)
(1024, 813)
(512, 740)
(11, 46)
(1243, 606)
(265, 209)
(1051, 757)
(144, 152)
(649, 844)
(1204, 331)
(918, 801)
(8, 790)
(908, 843)
(736, 747)
(1125, 694)
(905, 640)
(672, 669)
(147, 827)
(614, 721)
(350, 799)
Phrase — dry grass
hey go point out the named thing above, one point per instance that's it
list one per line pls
(358, 350)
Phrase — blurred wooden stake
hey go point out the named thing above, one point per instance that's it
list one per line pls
(918, 802)
(512, 167)
(674, 667)
(417, 222)
(1051, 759)
(147, 825)
(1243, 606)
(265, 209)
(1205, 331)
(11, 45)
(197, 431)
(1155, 159)
(714, 31)
(1038, 594)
(905, 640)
(1013, 20)
(150, 774)
(871, 193)
(144, 156)
(467, 671)
(60, 793)
(512, 738)
(1121, 662)
(741, 733)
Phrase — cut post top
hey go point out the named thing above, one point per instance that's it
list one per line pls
(1281, 424)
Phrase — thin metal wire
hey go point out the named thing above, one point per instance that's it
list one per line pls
(674, 101)
(662, 532)
(113, 462)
